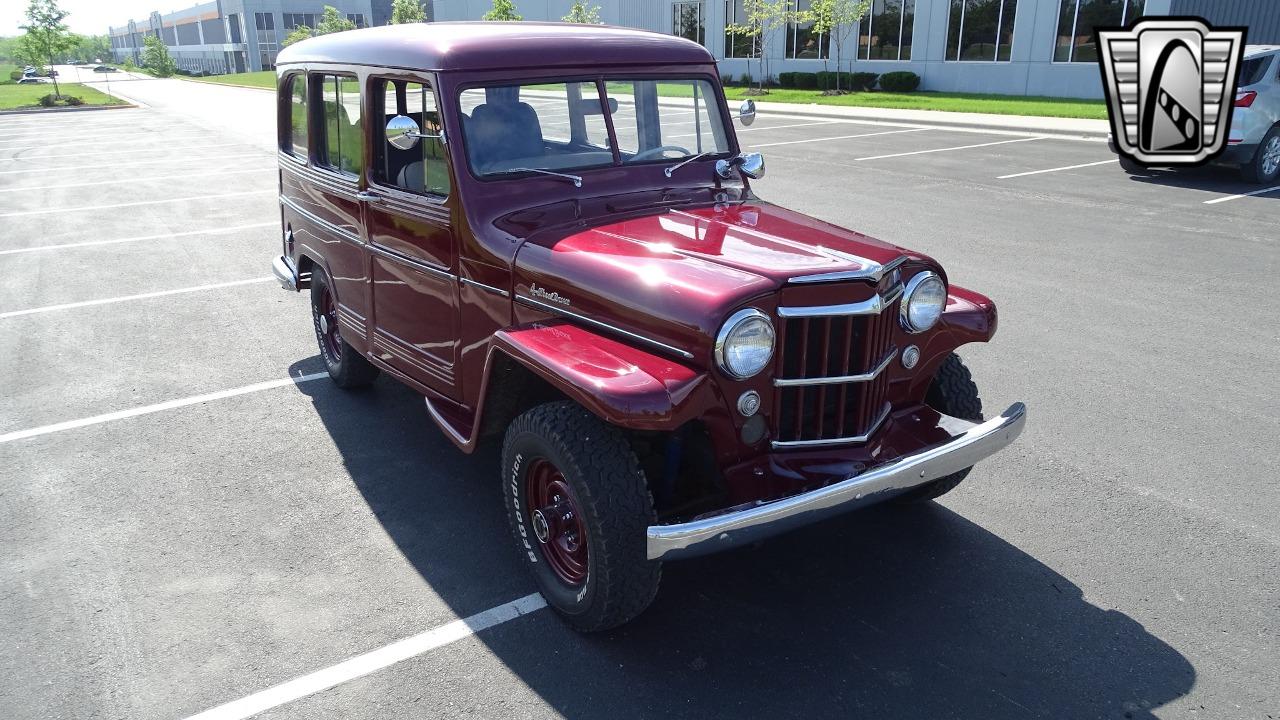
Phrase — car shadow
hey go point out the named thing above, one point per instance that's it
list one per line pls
(1218, 179)
(889, 612)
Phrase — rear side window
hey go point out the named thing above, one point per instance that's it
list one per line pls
(298, 115)
(1254, 69)
(339, 142)
(422, 168)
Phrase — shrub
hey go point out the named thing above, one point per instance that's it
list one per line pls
(900, 81)
(48, 101)
(726, 80)
(806, 81)
(15, 75)
(862, 80)
(746, 79)
(787, 79)
(73, 101)
(826, 79)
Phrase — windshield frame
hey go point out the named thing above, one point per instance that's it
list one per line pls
(600, 81)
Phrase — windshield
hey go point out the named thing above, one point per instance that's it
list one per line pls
(563, 126)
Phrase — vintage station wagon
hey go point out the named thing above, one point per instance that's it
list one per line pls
(549, 231)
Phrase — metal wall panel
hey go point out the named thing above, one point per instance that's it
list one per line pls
(1262, 17)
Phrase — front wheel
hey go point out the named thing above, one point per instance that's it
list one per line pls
(953, 393)
(579, 507)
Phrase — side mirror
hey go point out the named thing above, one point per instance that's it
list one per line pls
(749, 164)
(402, 132)
(747, 112)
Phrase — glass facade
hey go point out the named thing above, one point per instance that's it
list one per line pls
(738, 46)
(268, 46)
(981, 30)
(1077, 20)
(886, 33)
(688, 20)
(805, 44)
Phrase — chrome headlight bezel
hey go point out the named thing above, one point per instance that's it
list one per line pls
(909, 296)
(724, 338)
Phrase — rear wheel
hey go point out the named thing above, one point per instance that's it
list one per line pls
(346, 366)
(953, 393)
(579, 507)
(1265, 165)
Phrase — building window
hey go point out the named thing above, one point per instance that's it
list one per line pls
(295, 20)
(265, 21)
(1077, 20)
(422, 169)
(298, 116)
(805, 44)
(981, 29)
(357, 19)
(687, 21)
(886, 34)
(338, 141)
(738, 46)
(267, 44)
(233, 22)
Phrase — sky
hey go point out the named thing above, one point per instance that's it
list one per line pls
(90, 17)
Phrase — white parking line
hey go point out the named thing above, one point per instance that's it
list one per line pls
(171, 161)
(126, 298)
(1228, 198)
(841, 137)
(116, 241)
(136, 151)
(140, 139)
(149, 178)
(948, 149)
(372, 661)
(158, 407)
(46, 211)
(1065, 167)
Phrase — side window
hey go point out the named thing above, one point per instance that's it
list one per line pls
(298, 115)
(423, 168)
(339, 143)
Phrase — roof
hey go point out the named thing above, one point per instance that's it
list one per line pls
(495, 45)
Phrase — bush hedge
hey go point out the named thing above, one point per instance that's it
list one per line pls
(900, 81)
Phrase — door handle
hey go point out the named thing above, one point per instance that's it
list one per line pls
(366, 196)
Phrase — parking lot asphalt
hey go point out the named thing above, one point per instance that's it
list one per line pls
(184, 526)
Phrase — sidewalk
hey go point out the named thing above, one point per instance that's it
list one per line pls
(1070, 127)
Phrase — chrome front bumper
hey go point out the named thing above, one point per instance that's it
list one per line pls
(284, 272)
(721, 532)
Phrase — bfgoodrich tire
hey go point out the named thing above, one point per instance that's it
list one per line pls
(579, 507)
(347, 367)
(953, 393)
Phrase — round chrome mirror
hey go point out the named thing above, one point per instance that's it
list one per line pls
(402, 132)
(747, 112)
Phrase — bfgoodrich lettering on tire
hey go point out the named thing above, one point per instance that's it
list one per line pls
(579, 507)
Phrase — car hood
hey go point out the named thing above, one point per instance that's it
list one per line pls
(675, 275)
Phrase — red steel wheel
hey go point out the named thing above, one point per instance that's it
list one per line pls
(557, 522)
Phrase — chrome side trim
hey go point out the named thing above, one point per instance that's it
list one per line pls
(827, 442)
(283, 269)
(345, 233)
(874, 272)
(557, 310)
(874, 306)
(721, 532)
(412, 263)
(482, 286)
(864, 377)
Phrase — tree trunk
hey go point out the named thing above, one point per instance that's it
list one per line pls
(57, 93)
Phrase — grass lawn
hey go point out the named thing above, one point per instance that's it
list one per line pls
(265, 79)
(951, 102)
(21, 97)
(5, 69)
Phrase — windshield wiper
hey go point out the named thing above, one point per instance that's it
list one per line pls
(575, 179)
(671, 170)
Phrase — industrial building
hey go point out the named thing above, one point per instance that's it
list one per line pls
(1009, 47)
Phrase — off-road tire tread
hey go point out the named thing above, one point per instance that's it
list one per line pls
(954, 393)
(354, 371)
(618, 505)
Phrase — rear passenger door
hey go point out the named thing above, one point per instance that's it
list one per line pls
(409, 230)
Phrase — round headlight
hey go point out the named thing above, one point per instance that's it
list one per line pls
(922, 302)
(744, 345)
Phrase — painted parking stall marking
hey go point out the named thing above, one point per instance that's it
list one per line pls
(140, 238)
(1229, 198)
(127, 298)
(84, 208)
(949, 149)
(171, 161)
(839, 137)
(117, 181)
(373, 661)
(1057, 169)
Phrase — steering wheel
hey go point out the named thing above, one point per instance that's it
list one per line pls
(655, 152)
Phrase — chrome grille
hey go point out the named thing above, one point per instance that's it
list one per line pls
(830, 382)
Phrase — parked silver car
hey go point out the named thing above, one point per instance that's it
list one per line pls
(1253, 141)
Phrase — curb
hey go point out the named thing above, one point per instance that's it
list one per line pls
(1024, 124)
(207, 82)
(89, 108)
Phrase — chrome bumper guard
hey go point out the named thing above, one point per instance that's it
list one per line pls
(721, 532)
(284, 272)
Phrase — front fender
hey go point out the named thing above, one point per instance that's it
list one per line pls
(620, 383)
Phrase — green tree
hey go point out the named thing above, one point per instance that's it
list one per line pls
(407, 11)
(298, 34)
(47, 35)
(837, 18)
(156, 58)
(582, 14)
(502, 10)
(762, 18)
(333, 21)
